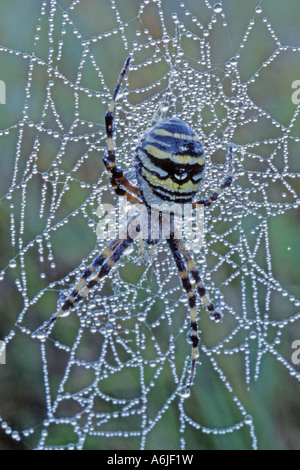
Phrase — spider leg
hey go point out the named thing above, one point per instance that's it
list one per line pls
(119, 182)
(214, 315)
(105, 261)
(225, 184)
(185, 280)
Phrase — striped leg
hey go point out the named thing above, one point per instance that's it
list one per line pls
(105, 261)
(192, 303)
(214, 315)
(119, 182)
(226, 184)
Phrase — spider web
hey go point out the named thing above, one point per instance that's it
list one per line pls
(109, 376)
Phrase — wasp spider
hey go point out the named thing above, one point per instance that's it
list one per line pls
(169, 169)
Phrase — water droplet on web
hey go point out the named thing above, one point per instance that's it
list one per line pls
(109, 328)
(64, 313)
(184, 392)
(41, 335)
(248, 420)
(141, 317)
(189, 336)
(129, 249)
(218, 8)
(164, 107)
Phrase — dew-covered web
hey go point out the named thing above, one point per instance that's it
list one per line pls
(110, 374)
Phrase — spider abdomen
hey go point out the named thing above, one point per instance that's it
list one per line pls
(170, 163)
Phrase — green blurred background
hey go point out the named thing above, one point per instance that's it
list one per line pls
(273, 399)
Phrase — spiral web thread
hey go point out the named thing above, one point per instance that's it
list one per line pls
(97, 371)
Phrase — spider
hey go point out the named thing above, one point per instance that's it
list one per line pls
(169, 168)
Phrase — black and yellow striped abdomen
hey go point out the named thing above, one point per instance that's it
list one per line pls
(170, 163)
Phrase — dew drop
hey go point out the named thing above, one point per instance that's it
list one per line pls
(64, 314)
(248, 420)
(141, 317)
(218, 8)
(12, 264)
(184, 392)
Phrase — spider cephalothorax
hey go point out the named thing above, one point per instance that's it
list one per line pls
(170, 167)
